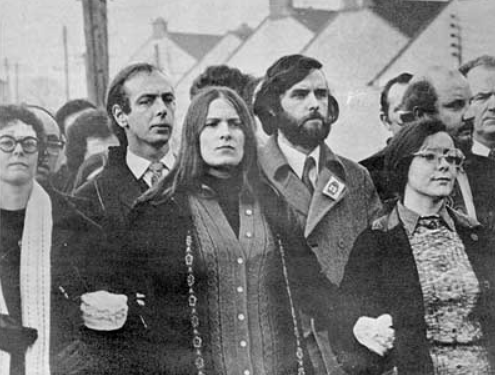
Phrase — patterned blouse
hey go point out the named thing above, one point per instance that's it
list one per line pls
(450, 292)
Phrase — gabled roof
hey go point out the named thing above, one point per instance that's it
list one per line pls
(197, 45)
(408, 16)
(313, 19)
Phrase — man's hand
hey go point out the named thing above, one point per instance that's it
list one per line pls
(104, 311)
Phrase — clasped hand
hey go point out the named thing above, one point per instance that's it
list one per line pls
(375, 334)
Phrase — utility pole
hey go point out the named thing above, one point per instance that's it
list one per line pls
(66, 63)
(157, 56)
(456, 38)
(7, 78)
(17, 95)
(96, 34)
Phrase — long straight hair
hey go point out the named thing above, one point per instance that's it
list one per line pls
(190, 166)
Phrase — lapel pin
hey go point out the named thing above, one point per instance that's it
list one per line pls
(334, 188)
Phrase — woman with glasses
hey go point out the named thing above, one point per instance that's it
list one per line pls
(42, 257)
(418, 289)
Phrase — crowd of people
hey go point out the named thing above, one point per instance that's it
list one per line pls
(252, 248)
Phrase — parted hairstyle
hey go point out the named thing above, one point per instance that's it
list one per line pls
(116, 95)
(190, 166)
(281, 76)
(402, 79)
(399, 152)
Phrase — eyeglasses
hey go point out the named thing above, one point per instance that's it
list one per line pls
(452, 156)
(54, 147)
(29, 144)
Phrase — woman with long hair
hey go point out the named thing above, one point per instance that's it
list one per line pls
(418, 289)
(215, 261)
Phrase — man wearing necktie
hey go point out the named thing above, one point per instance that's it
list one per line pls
(141, 106)
(333, 198)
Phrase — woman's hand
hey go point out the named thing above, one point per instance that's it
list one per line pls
(104, 311)
(376, 334)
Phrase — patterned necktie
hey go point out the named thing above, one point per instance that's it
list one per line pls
(309, 164)
(156, 169)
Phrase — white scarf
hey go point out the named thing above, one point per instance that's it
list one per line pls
(35, 283)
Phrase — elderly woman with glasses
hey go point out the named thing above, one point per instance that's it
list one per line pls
(418, 289)
(42, 257)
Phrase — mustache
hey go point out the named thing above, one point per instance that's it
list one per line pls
(313, 116)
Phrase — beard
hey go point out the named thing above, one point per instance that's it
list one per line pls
(308, 132)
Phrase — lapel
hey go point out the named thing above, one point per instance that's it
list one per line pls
(130, 191)
(331, 170)
(280, 175)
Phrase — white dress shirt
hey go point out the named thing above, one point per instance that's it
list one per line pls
(480, 149)
(139, 165)
(296, 159)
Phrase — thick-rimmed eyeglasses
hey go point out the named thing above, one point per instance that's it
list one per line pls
(452, 156)
(29, 144)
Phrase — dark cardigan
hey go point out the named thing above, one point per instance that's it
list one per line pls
(381, 277)
(152, 263)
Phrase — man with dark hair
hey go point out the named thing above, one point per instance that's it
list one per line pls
(390, 110)
(444, 93)
(390, 101)
(89, 135)
(333, 197)
(480, 74)
(224, 75)
(141, 107)
(67, 114)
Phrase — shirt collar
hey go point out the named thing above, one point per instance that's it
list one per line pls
(479, 148)
(410, 218)
(139, 165)
(296, 158)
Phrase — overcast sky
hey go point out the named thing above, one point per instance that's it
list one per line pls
(31, 30)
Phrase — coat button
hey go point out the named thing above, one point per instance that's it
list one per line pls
(474, 237)
(341, 243)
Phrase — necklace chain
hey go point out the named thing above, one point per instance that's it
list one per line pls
(193, 301)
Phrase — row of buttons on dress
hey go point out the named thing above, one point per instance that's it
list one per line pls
(241, 317)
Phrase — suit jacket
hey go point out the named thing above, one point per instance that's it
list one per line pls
(111, 195)
(375, 164)
(381, 277)
(330, 222)
(481, 175)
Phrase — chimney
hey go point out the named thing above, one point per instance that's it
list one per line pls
(280, 8)
(159, 28)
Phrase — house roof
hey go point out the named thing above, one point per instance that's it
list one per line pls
(408, 16)
(197, 45)
(313, 19)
